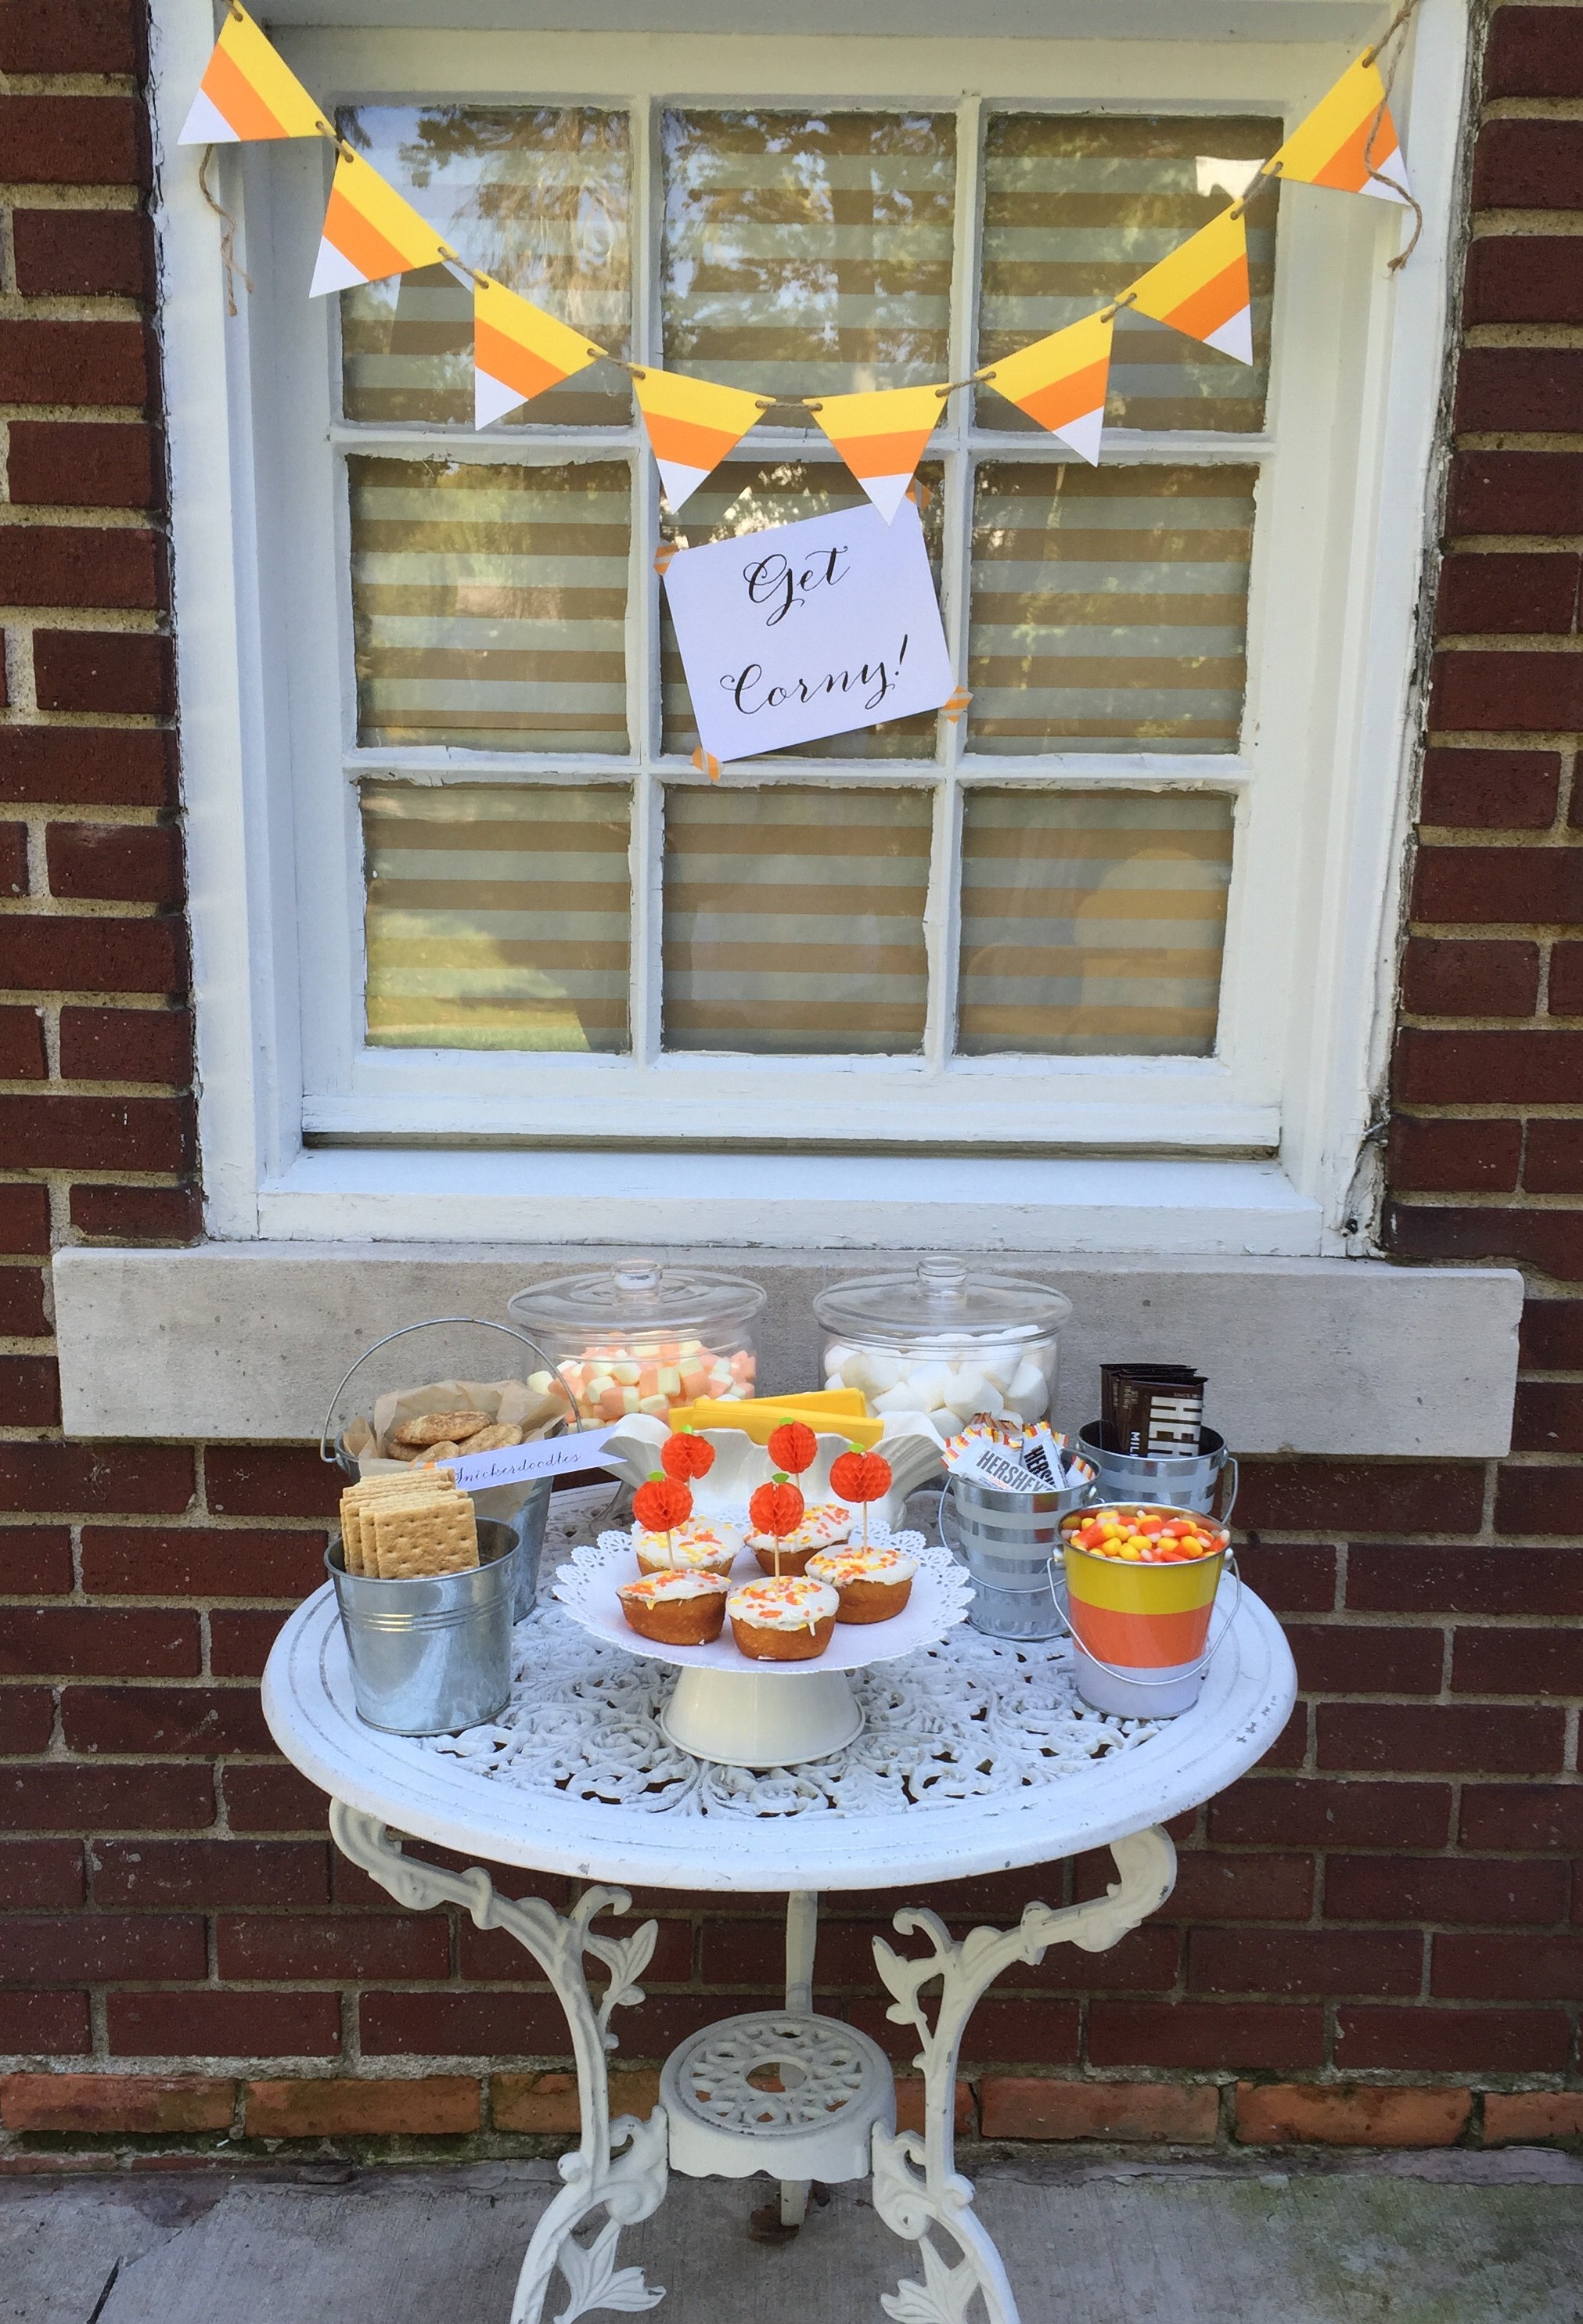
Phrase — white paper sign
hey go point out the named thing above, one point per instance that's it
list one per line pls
(808, 629)
(551, 1457)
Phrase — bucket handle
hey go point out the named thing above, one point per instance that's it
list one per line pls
(1225, 1517)
(1131, 1677)
(483, 1323)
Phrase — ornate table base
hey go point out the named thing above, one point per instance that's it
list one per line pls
(623, 2166)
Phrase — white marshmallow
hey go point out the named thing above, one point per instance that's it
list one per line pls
(903, 1397)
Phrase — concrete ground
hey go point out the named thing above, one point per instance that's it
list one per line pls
(1443, 2239)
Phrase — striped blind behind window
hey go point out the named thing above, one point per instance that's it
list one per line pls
(498, 916)
(1109, 608)
(1075, 207)
(739, 499)
(808, 252)
(539, 197)
(793, 921)
(489, 603)
(1092, 923)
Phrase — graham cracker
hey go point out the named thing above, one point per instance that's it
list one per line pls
(419, 1537)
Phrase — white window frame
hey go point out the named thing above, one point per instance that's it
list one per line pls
(1256, 1148)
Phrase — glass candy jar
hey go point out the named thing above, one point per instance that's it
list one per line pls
(945, 1339)
(645, 1337)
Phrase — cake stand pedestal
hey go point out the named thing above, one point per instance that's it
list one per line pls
(756, 1718)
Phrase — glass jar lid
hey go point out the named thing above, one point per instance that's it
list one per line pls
(641, 1296)
(941, 1298)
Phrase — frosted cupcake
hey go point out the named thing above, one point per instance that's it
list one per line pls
(823, 1524)
(789, 1621)
(872, 1584)
(676, 1609)
(696, 1546)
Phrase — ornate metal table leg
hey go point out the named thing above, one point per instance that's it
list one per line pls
(916, 2184)
(802, 1931)
(630, 2184)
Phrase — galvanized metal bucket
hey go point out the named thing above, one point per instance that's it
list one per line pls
(1006, 1542)
(434, 1655)
(1182, 1480)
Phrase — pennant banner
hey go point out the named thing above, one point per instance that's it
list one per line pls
(1060, 381)
(1200, 289)
(882, 436)
(248, 91)
(518, 351)
(1328, 148)
(692, 425)
(369, 231)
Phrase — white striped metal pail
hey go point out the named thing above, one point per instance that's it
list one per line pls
(1006, 1542)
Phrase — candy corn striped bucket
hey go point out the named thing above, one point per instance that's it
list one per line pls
(1141, 1633)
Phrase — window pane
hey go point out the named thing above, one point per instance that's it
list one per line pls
(1109, 608)
(1075, 207)
(538, 196)
(793, 921)
(808, 252)
(489, 603)
(739, 499)
(498, 916)
(1092, 923)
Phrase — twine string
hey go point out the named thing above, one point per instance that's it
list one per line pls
(1393, 31)
(229, 259)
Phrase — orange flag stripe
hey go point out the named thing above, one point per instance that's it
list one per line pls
(1214, 303)
(1067, 399)
(359, 240)
(691, 443)
(505, 358)
(234, 96)
(884, 456)
(1346, 171)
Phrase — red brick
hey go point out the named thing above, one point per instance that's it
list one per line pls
(1408, 1738)
(1518, 390)
(1240, 1888)
(1438, 1496)
(99, 955)
(1292, 1577)
(35, 1561)
(27, 1719)
(30, 1391)
(138, 1214)
(1035, 2106)
(1516, 277)
(13, 858)
(88, 1948)
(1532, 2114)
(102, 671)
(1467, 1158)
(1539, 1500)
(1507, 693)
(1549, 1417)
(1508, 1067)
(1538, 493)
(62, 1798)
(1518, 1661)
(179, 1722)
(478, 2023)
(1551, 1338)
(1522, 1816)
(75, 254)
(211, 1562)
(1552, 1164)
(1489, 1889)
(1399, 1577)
(86, 766)
(1172, 2035)
(40, 1875)
(96, 1133)
(84, 463)
(127, 1044)
(134, 2104)
(22, 1046)
(44, 2024)
(64, 141)
(1449, 977)
(47, 1641)
(1312, 1813)
(205, 2024)
(435, 2106)
(91, 36)
(1551, 1240)
(354, 1946)
(1302, 2114)
(1326, 1961)
(209, 1873)
(1566, 980)
(1353, 1658)
(1529, 165)
(547, 2104)
(1290, 1749)
(115, 862)
(274, 1799)
(1416, 2040)
(269, 1480)
(1534, 52)
(1533, 1967)
(492, 1956)
(1481, 885)
(1512, 596)
(77, 565)
(1145, 1961)
(1482, 790)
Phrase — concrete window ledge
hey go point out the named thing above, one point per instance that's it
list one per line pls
(246, 1342)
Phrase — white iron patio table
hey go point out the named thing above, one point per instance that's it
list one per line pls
(977, 1756)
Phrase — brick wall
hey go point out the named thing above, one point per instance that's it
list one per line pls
(1378, 1936)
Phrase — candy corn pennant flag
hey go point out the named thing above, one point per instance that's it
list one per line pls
(1328, 148)
(882, 436)
(369, 231)
(1201, 287)
(518, 351)
(247, 92)
(1060, 381)
(692, 425)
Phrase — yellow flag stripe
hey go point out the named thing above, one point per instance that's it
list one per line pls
(1323, 136)
(1213, 252)
(541, 335)
(671, 395)
(886, 411)
(246, 64)
(368, 222)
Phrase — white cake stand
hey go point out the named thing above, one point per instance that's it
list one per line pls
(744, 1714)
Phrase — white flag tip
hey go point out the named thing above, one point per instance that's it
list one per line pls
(493, 398)
(334, 270)
(1391, 185)
(1235, 337)
(679, 482)
(206, 124)
(887, 492)
(1084, 434)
